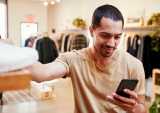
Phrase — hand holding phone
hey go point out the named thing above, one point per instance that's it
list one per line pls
(129, 102)
(126, 84)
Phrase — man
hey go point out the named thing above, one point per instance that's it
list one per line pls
(96, 71)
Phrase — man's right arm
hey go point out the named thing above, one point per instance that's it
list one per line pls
(43, 72)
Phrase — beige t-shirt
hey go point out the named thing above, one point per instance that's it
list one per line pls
(91, 84)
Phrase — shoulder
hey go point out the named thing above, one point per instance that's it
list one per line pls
(130, 59)
(133, 64)
(74, 55)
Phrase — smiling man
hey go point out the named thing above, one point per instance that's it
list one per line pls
(96, 71)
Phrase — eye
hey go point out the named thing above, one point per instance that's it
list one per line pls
(105, 35)
(117, 37)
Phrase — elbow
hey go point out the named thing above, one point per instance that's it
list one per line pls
(37, 79)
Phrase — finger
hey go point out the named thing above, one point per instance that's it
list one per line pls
(131, 93)
(124, 99)
(110, 99)
(119, 103)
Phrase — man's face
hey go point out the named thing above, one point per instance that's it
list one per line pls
(106, 36)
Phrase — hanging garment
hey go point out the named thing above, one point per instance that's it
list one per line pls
(155, 52)
(78, 42)
(151, 54)
(134, 45)
(47, 50)
(129, 45)
(147, 56)
(64, 43)
(140, 48)
(60, 42)
(29, 42)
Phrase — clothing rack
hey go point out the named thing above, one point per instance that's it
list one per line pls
(71, 38)
(139, 42)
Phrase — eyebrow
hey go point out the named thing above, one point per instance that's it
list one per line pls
(119, 34)
(110, 33)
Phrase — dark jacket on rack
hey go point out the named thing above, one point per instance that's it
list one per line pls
(47, 50)
(132, 46)
(147, 56)
(155, 52)
(151, 54)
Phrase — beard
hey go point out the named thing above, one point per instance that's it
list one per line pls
(106, 50)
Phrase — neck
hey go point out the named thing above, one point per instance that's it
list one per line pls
(98, 58)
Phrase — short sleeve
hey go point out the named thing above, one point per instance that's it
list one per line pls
(63, 58)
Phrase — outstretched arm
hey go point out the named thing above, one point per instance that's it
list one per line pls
(43, 72)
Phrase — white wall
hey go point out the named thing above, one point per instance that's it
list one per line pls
(60, 16)
(18, 10)
(63, 14)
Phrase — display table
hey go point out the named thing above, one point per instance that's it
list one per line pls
(62, 103)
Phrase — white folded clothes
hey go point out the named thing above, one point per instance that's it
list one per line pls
(15, 58)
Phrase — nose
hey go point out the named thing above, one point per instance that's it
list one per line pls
(111, 41)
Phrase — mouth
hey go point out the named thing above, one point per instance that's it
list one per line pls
(109, 50)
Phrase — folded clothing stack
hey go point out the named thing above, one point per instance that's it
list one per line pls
(14, 58)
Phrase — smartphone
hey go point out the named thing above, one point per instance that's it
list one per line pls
(126, 84)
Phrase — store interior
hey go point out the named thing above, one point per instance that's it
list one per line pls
(24, 22)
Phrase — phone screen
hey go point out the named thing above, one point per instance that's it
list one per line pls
(126, 84)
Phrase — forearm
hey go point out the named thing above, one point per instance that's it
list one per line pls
(143, 108)
(42, 72)
(38, 72)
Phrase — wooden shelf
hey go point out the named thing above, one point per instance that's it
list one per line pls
(141, 29)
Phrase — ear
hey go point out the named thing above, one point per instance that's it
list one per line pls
(91, 30)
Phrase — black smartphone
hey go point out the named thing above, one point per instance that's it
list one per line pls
(126, 84)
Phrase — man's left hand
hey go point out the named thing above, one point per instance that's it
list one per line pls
(131, 105)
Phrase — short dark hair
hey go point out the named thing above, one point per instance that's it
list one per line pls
(108, 11)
